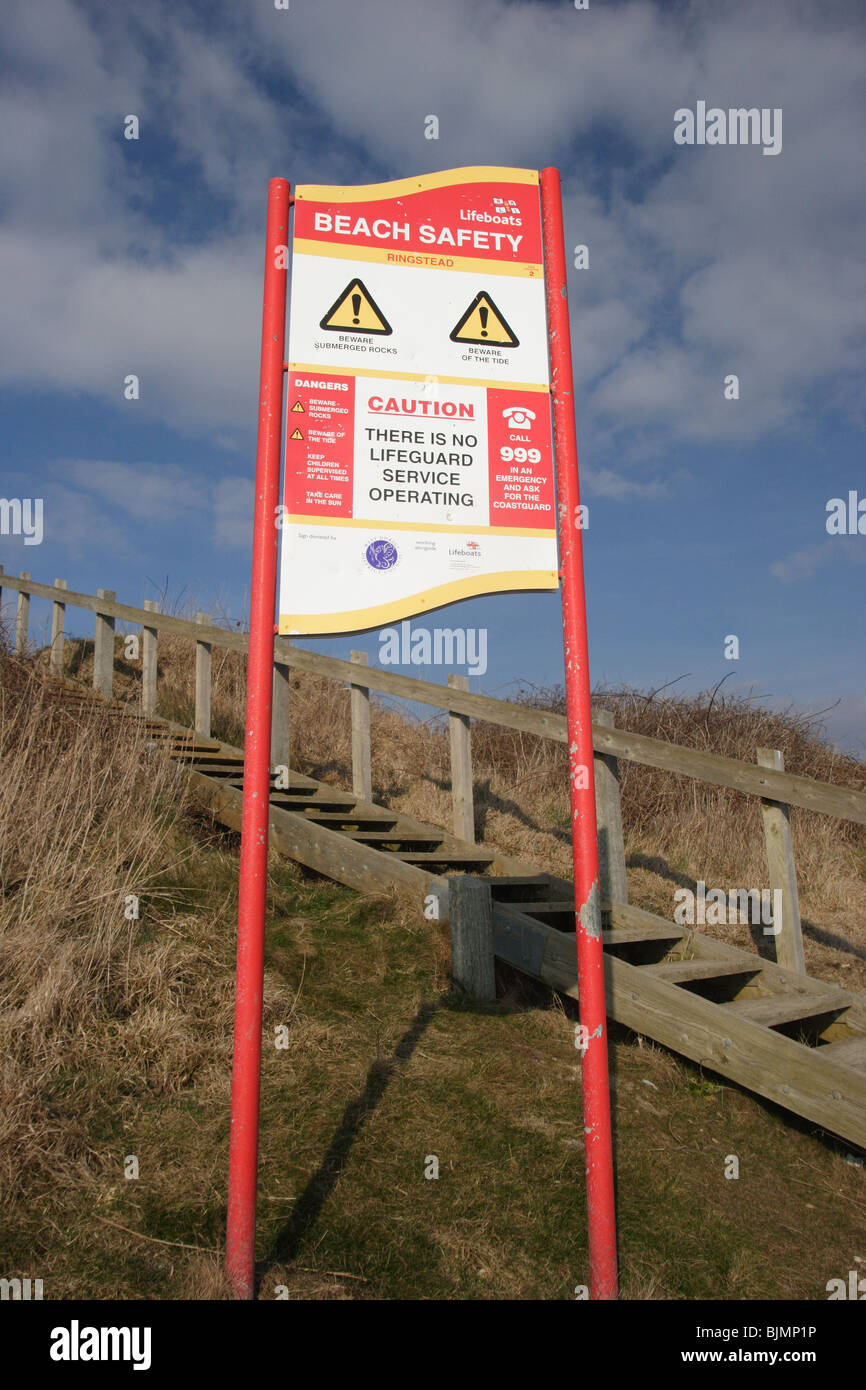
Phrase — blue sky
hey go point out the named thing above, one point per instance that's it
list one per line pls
(707, 516)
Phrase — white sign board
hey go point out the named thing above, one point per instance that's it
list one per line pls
(419, 462)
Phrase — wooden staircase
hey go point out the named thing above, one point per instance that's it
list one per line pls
(795, 1041)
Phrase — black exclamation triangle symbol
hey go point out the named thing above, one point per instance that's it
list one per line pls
(483, 312)
(356, 308)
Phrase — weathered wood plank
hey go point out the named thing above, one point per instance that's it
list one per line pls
(391, 837)
(677, 972)
(462, 797)
(630, 936)
(608, 810)
(362, 768)
(775, 980)
(280, 716)
(148, 661)
(809, 1081)
(58, 624)
(202, 681)
(851, 1052)
(450, 856)
(796, 1077)
(788, 938)
(775, 1009)
(103, 647)
(326, 851)
(22, 617)
(472, 936)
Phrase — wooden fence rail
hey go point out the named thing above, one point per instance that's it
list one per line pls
(767, 779)
(845, 803)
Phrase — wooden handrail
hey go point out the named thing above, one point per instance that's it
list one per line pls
(846, 803)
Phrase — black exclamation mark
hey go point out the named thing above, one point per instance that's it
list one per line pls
(356, 308)
(483, 313)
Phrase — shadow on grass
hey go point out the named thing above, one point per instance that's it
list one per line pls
(309, 1205)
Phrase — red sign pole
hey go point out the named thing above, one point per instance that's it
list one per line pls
(246, 1073)
(601, 1214)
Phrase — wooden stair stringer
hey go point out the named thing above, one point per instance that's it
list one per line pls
(789, 1073)
(326, 851)
(813, 1082)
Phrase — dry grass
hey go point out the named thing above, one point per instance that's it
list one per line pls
(677, 830)
(116, 1034)
(85, 822)
(97, 1009)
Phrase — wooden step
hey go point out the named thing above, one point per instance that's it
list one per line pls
(826, 1084)
(612, 936)
(209, 769)
(394, 837)
(310, 801)
(519, 888)
(449, 856)
(337, 818)
(851, 1052)
(681, 972)
(213, 752)
(209, 757)
(551, 907)
(774, 1009)
(629, 936)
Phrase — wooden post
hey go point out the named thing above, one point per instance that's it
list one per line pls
(280, 717)
(782, 870)
(471, 918)
(22, 619)
(362, 772)
(149, 661)
(1, 598)
(58, 626)
(462, 804)
(613, 880)
(103, 648)
(202, 682)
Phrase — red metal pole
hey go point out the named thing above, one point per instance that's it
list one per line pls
(601, 1213)
(246, 1073)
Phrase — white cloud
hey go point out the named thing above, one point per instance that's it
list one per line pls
(604, 482)
(213, 511)
(703, 261)
(803, 564)
(149, 492)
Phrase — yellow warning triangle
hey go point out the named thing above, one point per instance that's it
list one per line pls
(485, 324)
(297, 435)
(356, 311)
(299, 408)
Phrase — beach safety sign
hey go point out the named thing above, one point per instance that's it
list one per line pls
(419, 461)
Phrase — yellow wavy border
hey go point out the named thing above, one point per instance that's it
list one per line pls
(531, 533)
(398, 188)
(359, 619)
(317, 369)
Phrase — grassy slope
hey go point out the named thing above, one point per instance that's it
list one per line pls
(384, 1068)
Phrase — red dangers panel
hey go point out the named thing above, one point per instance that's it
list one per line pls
(521, 467)
(319, 443)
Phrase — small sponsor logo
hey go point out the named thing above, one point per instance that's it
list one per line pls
(381, 555)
